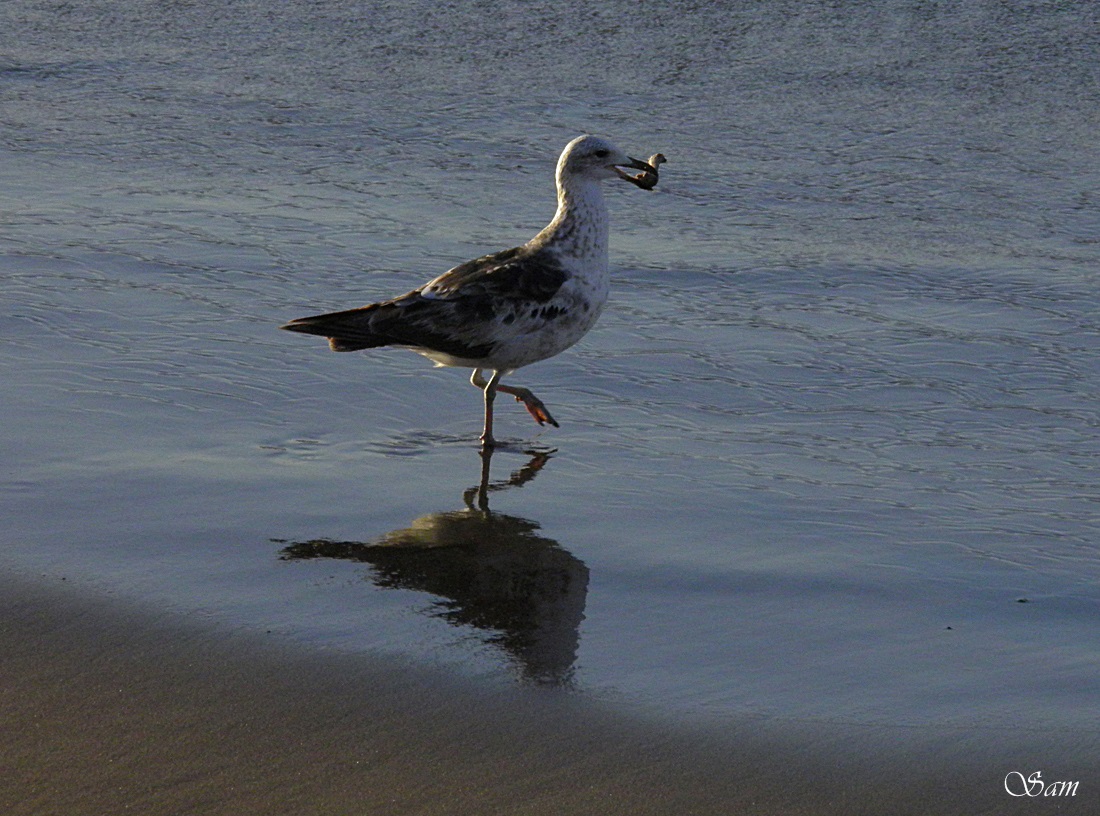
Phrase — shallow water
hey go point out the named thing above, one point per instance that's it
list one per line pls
(830, 455)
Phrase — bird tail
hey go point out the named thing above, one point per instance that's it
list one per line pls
(346, 331)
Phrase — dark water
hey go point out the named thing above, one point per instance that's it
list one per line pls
(831, 454)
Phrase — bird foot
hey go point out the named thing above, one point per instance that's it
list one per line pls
(534, 406)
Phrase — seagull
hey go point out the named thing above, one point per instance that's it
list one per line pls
(507, 310)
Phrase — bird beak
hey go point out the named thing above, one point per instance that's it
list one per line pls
(635, 164)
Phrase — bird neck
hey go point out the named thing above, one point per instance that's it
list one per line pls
(580, 225)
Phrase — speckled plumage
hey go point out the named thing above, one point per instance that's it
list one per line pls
(512, 308)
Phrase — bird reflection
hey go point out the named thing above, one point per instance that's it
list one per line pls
(487, 570)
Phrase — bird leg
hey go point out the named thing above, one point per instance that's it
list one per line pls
(489, 387)
(533, 404)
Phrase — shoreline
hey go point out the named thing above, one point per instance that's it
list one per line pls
(110, 707)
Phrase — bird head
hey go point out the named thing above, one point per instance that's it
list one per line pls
(598, 159)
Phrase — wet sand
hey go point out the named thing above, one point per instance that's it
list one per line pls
(109, 709)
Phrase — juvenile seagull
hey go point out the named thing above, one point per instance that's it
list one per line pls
(510, 309)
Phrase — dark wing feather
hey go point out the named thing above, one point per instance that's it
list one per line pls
(514, 274)
(454, 313)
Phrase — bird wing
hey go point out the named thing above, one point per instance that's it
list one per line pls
(460, 313)
(514, 274)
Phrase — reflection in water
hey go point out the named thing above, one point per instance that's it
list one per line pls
(488, 570)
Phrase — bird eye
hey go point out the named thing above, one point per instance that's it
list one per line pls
(602, 154)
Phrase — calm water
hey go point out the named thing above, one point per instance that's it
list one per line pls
(831, 454)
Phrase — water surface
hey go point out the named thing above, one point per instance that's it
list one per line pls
(830, 455)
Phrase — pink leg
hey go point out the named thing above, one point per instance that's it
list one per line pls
(489, 388)
(533, 404)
